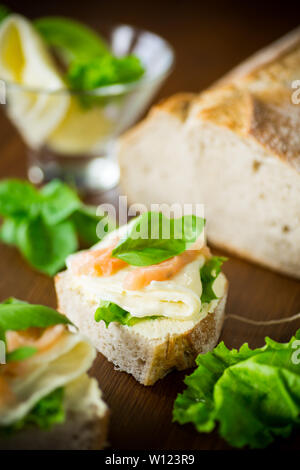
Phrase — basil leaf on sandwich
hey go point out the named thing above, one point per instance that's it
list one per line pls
(17, 315)
(110, 312)
(253, 395)
(154, 238)
(208, 273)
(47, 412)
(45, 225)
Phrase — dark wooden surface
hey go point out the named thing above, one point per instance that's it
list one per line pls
(209, 38)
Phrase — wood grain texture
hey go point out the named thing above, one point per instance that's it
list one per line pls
(209, 40)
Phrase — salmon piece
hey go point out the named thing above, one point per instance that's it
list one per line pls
(141, 277)
(97, 262)
(42, 339)
(6, 394)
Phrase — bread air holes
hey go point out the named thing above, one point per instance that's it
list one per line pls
(286, 229)
(256, 166)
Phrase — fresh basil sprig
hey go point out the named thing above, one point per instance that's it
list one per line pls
(154, 238)
(254, 395)
(45, 225)
(208, 273)
(71, 39)
(110, 312)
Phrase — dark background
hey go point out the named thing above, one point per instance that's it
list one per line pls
(209, 38)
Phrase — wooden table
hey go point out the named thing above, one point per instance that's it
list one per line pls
(209, 40)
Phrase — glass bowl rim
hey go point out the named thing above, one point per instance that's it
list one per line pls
(109, 90)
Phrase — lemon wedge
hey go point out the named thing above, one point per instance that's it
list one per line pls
(38, 102)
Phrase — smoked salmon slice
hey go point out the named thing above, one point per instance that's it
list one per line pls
(141, 277)
(34, 337)
(97, 262)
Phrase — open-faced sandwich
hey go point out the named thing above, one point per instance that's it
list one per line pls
(47, 400)
(149, 302)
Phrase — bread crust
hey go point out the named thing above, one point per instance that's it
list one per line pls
(148, 360)
(254, 99)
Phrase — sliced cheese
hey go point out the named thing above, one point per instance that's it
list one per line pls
(177, 298)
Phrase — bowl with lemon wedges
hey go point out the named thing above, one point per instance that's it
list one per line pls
(70, 92)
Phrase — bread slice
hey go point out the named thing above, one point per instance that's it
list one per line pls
(85, 427)
(148, 352)
(236, 149)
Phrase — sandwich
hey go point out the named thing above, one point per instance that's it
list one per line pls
(148, 303)
(47, 400)
(236, 149)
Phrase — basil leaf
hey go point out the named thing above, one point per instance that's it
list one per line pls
(110, 312)
(18, 198)
(17, 316)
(59, 202)
(9, 231)
(45, 414)
(20, 354)
(46, 247)
(254, 395)
(208, 273)
(70, 39)
(102, 71)
(153, 238)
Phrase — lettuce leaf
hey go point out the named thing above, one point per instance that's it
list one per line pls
(20, 354)
(208, 273)
(254, 395)
(45, 414)
(154, 238)
(110, 312)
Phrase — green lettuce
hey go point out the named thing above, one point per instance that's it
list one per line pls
(153, 238)
(110, 312)
(45, 414)
(208, 273)
(253, 395)
(45, 225)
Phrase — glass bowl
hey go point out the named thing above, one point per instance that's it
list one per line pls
(71, 135)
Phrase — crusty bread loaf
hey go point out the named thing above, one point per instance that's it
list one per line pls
(146, 357)
(85, 427)
(235, 148)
